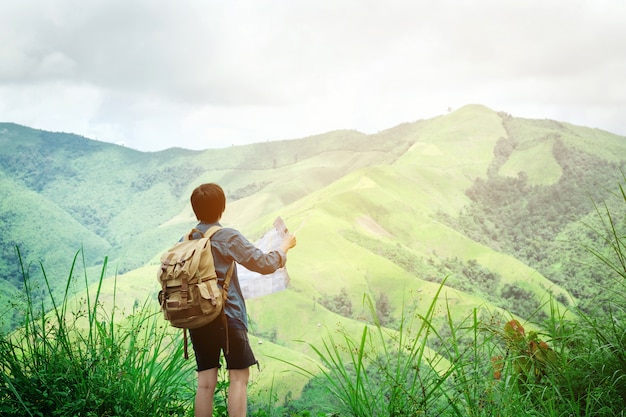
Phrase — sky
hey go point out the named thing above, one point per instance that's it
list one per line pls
(203, 74)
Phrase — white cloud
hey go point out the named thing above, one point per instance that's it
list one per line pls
(154, 74)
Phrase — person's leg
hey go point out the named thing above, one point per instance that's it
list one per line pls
(207, 342)
(238, 361)
(238, 392)
(207, 381)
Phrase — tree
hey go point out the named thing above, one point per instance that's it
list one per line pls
(383, 309)
(340, 303)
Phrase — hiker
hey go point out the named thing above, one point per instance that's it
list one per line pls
(227, 245)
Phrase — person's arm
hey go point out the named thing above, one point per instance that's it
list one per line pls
(248, 255)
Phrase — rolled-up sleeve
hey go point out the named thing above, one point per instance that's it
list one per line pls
(245, 253)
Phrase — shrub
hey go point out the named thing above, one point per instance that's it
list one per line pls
(55, 365)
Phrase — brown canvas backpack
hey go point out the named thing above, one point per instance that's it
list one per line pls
(190, 296)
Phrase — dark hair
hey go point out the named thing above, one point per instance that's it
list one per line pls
(208, 202)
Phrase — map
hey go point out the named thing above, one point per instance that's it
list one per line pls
(254, 284)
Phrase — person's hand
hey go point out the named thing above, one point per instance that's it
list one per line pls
(289, 241)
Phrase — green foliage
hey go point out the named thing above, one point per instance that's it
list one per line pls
(79, 363)
(383, 309)
(533, 204)
(495, 369)
(129, 203)
(609, 322)
(481, 368)
(383, 372)
(315, 400)
(470, 276)
(62, 192)
(521, 301)
(246, 191)
(339, 303)
(528, 221)
(487, 364)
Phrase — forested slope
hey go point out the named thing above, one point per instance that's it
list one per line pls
(493, 202)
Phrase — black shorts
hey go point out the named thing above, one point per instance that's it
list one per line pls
(208, 342)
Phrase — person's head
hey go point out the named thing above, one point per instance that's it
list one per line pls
(208, 202)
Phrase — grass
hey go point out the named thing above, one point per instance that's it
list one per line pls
(487, 364)
(541, 169)
(483, 367)
(55, 366)
(87, 362)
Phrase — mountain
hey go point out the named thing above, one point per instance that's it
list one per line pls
(496, 205)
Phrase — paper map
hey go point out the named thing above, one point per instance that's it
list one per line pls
(254, 284)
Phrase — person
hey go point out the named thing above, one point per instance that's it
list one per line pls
(227, 245)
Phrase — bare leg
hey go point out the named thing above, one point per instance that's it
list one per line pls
(238, 392)
(207, 381)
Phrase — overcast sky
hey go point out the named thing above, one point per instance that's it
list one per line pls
(205, 74)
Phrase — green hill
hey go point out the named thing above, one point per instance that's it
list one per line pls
(480, 197)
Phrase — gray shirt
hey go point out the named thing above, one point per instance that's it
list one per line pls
(228, 245)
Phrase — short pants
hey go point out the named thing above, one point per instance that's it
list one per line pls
(208, 341)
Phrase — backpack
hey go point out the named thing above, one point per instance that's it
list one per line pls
(190, 296)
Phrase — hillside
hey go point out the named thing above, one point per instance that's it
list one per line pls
(480, 197)
(124, 204)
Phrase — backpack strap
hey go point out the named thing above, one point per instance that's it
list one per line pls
(185, 349)
(189, 236)
(210, 231)
(229, 274)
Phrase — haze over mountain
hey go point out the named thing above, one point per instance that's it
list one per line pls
(499, 206)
